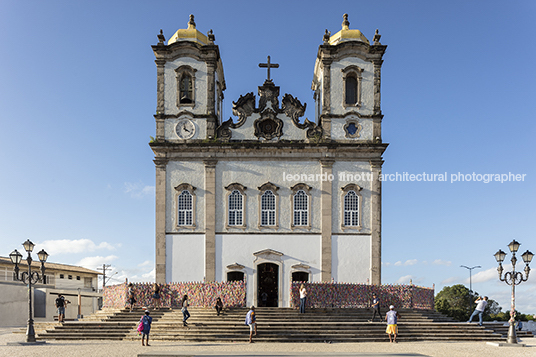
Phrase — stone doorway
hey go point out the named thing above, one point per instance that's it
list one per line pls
(268, 285)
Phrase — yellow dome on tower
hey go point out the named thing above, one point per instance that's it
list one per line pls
(189, 34)
(347, 35)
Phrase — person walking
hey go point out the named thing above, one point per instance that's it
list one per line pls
(392, 320)
(60, 304)
(219, 305)
(480, 307)
(184, 309)
(156, 296)
(146, 320)
(131, 299)
(303, 298)
(251, 321)
(376, 308)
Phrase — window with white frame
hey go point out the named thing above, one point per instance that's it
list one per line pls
(301, 208)
(185, 200)
(236, 209)
(185, 209)
(351, 209)
(236, 201)
(351, 203)
(268, 208)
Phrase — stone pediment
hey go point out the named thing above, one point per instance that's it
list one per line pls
(268, 120)
(268, 255)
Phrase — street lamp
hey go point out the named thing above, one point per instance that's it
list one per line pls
(30, 277)
(513, 278)
(470, 271)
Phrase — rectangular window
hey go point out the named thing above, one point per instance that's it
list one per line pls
(268, 209)
(185, 209)
(301, 208)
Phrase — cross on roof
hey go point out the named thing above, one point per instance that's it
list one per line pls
(268, 65)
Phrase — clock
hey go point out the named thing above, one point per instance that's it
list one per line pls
(185, 129)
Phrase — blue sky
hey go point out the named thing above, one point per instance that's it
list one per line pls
(78, 94)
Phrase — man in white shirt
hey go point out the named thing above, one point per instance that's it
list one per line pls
(480, 307)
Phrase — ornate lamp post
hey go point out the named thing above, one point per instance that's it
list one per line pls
(513, 278)
(30, 277)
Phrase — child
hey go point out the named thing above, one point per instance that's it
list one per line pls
(146, 320)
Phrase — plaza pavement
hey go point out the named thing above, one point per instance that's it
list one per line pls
(93, 348)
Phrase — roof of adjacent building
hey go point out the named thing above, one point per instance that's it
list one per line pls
(51, 266)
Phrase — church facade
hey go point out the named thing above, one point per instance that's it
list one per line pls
(268, 196)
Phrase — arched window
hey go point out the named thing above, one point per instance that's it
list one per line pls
(236, 209)
(186, 89)
(351, 89)
(185, 199)
(351, 209)
(185, 209)
(185, 86)
(301, 208)
(352, 86)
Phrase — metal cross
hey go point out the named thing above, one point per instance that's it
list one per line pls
(268, 65)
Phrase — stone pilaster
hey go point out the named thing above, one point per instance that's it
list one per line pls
(160, 101)
(211, 99)
(377, 86)
(160, 221)
(210, 220)
(326, 220)
(326, 86)
(376, 223)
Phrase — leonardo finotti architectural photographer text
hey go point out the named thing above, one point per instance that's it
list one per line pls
(408, 177)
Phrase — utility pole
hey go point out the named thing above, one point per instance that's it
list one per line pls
(104, 268)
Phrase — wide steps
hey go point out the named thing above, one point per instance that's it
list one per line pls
(275, 325)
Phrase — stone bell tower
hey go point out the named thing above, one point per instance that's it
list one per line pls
(347, 94)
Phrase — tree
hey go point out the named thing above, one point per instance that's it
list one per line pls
(453, 301)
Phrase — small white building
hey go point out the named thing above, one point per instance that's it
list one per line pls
(68, 280)
(268, 197)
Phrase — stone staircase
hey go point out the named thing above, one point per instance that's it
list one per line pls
(274, 325)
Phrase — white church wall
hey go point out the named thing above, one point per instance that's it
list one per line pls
(170, 83)
(337, 85)
(344, 173)
(185, 257)
(239, 248)
(191, 172)
(253, 174)
(350, 258)
(290, 131)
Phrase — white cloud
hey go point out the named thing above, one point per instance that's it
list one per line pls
(406, 263)
(451, 280)
(71, 246)
(95, 262)
(145, 263)
(442, 262)
(485, 275)
(150, 276)
(138, 190)
(404, 279)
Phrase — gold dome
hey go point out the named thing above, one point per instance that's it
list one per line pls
(347, 35)
(189, 34)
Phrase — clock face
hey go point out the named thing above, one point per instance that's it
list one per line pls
(185, 129)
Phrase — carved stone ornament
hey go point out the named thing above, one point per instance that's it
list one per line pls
(352, 129)
(293, 108)
(269, 255)
(268, 126)
(185, 186)
(268, 93)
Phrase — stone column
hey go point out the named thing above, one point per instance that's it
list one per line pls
(326, 220)
(160, 220)
(210, 220)
(376, 223)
